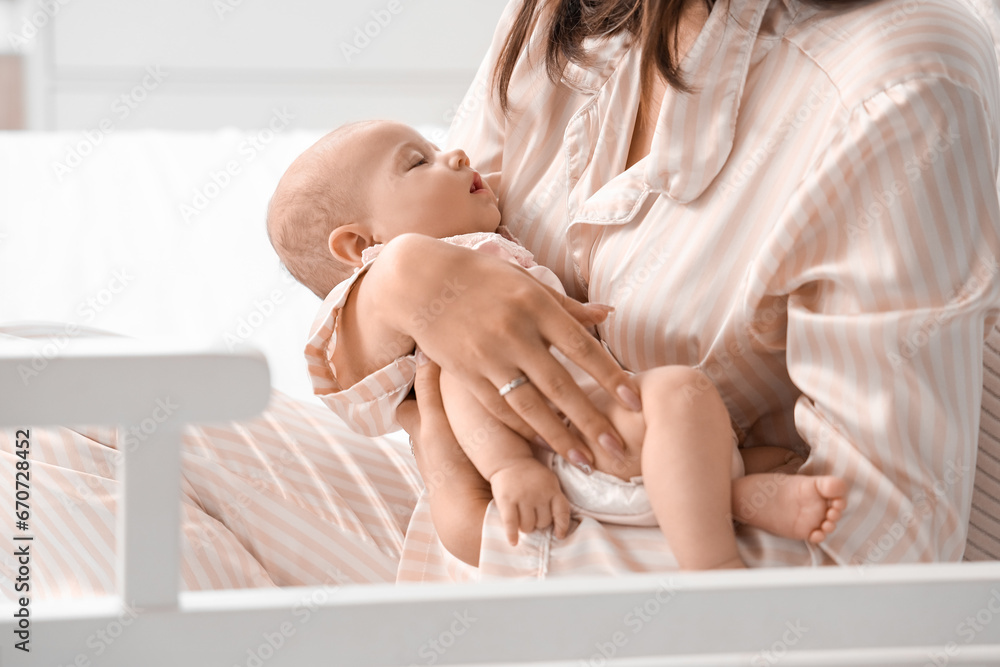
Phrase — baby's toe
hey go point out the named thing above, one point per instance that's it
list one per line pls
(833, 488)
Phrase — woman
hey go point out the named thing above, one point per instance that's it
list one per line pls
(819, 238)
(814, 225)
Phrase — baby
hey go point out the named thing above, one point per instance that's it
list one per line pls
(366, 183)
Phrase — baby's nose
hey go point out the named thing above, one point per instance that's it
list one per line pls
(458, 159)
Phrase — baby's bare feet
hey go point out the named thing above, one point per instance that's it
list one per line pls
(800, 507)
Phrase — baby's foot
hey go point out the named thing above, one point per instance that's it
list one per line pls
(800, 507)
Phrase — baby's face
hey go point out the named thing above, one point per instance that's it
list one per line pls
(415, 187)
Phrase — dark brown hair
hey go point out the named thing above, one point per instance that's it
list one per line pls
(652, 23)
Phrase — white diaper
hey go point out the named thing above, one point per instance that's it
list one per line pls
(608, 499)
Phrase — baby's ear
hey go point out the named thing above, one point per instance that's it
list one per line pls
(347, 242)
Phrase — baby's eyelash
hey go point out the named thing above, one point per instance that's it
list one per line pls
(419, 162)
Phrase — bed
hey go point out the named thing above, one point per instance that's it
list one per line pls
(153, 236)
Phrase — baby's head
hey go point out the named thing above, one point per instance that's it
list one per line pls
(367, 183)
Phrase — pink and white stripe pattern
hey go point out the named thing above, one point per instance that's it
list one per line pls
(290, 498)
(816, 228)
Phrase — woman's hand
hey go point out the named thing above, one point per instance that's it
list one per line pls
(489, 322)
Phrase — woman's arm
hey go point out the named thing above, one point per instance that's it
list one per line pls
(486, 322)
(889, 266)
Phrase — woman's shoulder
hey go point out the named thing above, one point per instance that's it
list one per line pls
(869, 48)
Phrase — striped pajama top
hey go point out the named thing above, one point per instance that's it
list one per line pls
(815, 228)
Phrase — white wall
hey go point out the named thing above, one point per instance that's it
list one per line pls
(203, 64)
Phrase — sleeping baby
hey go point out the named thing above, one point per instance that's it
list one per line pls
(366, 183)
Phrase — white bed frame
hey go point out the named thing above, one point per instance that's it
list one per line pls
(879, 615)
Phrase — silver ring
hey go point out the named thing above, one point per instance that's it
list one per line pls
(513, 384)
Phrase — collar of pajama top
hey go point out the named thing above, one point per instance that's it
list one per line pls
(715, 67)
(735, 35)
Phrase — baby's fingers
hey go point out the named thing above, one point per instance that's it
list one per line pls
(560, 516)
(527, 512)
(510, 518)
(543, 515)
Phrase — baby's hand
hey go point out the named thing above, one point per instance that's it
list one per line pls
(528, 497)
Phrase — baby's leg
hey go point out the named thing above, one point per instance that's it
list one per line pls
(686, 466)
(767, 458)
(526, 492)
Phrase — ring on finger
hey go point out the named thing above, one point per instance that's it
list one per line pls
(513, 384)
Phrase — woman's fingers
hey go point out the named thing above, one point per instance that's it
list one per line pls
(573, 340)
(587, 314)
(551, 381)
(529, 402)
(489, 322)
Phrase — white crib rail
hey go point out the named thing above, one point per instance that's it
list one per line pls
(891, 615)
(151, 392)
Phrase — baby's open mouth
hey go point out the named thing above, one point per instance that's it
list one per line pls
(477, 183)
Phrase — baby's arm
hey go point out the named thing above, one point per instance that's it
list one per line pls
(526, 492)
(366, 341)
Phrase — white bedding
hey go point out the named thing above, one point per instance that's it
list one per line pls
(120, 242)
